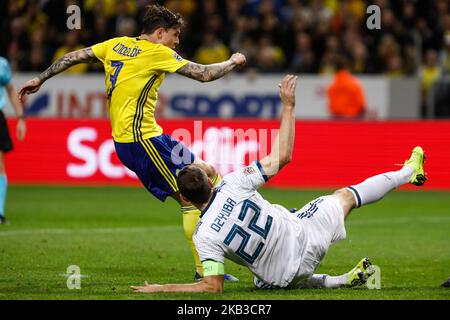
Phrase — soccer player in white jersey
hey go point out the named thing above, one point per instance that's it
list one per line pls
(281, 248)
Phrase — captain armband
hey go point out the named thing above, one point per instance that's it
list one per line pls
(213, 268)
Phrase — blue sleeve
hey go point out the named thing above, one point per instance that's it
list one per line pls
(5, 73)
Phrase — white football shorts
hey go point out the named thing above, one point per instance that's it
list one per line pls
(323, 223)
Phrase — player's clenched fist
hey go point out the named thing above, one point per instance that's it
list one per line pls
(29, 87)
(238, 59)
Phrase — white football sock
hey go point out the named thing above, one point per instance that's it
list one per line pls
(327, 281)
(375, 188)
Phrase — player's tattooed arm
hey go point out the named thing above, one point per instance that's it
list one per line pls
(85, 55)
(206, 73)
(211, 72)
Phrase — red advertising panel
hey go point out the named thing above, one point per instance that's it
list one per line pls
(326, 154)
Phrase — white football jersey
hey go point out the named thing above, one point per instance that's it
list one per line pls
(240, 225)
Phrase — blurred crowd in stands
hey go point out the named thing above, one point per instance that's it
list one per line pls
(299, 36)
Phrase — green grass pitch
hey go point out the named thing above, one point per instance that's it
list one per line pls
(123, 236)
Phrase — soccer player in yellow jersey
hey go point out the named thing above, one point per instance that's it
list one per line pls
(135, 68)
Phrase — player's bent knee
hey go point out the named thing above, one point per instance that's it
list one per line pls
(209, 169)
(346, 200)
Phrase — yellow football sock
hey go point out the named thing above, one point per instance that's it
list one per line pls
(190, 218)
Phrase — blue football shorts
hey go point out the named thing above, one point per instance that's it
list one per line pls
(156, 161)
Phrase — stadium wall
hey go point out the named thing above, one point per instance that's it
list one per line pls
(234, 96)
(326, 155)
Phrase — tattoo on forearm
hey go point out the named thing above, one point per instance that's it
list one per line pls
(81, 56)
(206, 73)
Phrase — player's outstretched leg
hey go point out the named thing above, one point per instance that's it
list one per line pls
(376, 187)
(190, 218)
(354, 278)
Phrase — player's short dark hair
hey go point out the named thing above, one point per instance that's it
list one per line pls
(193, 184)
(157, 16)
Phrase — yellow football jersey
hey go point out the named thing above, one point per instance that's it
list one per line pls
(134, 71)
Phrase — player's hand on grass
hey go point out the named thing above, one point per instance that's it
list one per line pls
(147, 288)
(238, 59)
(287, 90)
(31, 86)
